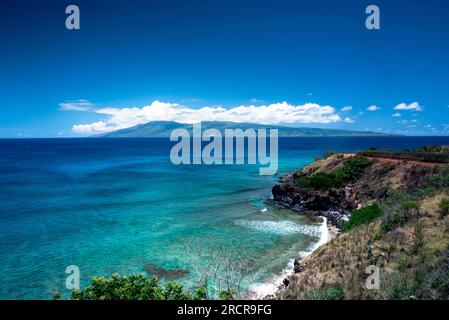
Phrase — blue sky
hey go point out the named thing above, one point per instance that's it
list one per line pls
(296, 62)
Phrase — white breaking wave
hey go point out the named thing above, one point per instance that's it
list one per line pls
(261, 290)
(281, 227)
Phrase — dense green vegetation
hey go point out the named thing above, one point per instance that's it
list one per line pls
(362, 216)
(432, 154)
(351, 171)
(134, 287)
(321, 181)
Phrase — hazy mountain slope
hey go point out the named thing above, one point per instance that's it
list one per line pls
(164, 128)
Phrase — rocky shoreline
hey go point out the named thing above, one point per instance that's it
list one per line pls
(335, 205)
(333, 229)
(276, 285)
(409, 196)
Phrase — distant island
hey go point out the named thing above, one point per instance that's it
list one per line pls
(162, 129)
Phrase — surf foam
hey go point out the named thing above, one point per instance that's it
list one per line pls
(280, 227)
(261, 290)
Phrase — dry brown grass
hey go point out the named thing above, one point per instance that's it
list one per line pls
(342, 262)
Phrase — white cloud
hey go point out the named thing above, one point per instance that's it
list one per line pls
(373, 108)
(412, 106)
(397, 114)
(91, 128)
(276, 113)
(347, 108)
(254, 100)
(349, 120)
(79, 105)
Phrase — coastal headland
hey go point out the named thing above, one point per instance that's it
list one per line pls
(384, 209)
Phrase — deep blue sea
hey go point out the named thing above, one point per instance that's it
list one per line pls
(117, 205)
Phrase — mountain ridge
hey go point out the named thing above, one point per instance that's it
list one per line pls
(162, 129)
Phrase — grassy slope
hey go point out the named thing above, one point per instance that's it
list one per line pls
(409, 243)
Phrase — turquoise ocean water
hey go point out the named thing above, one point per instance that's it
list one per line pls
(118, 205)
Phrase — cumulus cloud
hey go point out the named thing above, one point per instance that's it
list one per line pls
(373, 108)
(412, 106)
(397, 114)
(78, 105)
(347, 108)
(91, 128)
(276, 113)
(349, 120)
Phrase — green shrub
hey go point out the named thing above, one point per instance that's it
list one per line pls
(362, 216)
(395, 220)
(303, 182)
(324, 181)
(401, 290)
(230, 294)
(351, 171)
(410, 205)
(354, 166)
(444, 207)
(134, 287)
(321, 181)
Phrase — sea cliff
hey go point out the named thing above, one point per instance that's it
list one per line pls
(389, 213)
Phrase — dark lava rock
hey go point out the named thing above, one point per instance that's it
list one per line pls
(298, 266)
